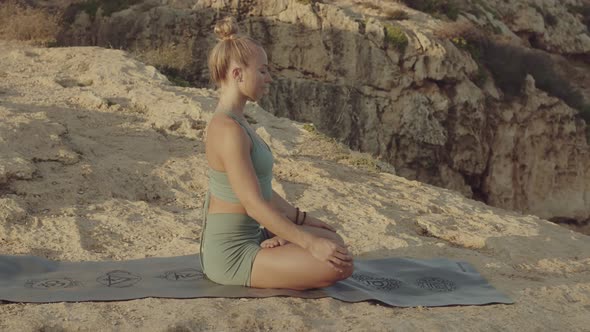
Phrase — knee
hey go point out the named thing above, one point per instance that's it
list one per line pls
(336, 276)
(346, 272)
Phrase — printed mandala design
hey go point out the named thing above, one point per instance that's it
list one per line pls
(183, 275)
(52, 283)
(372, 281)
(119, 279)
(436, 284)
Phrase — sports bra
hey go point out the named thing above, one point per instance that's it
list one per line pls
(262, 160)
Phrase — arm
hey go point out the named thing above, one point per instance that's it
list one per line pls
(282, 205)
(290, 212)
(233, 148)
(234, 151)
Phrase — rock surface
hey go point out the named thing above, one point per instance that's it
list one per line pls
(103, 159)
(418, 109)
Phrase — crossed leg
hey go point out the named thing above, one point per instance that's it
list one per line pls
(290, 266)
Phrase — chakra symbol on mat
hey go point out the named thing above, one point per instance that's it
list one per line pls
(118, 279)
(376, 282)
(183, 274)
(436, 284)
(52, 283)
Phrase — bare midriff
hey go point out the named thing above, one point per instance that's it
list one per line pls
(217, 205)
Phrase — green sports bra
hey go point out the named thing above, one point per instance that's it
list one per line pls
(262, 160)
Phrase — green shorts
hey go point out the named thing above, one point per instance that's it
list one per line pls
(229, 244)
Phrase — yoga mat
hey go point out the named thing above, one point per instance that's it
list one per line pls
(401, 282)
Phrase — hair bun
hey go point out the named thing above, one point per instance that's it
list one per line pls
(226, 28)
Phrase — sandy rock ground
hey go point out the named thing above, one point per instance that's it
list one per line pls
(101, 158)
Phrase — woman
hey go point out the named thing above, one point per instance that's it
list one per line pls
(295, 250)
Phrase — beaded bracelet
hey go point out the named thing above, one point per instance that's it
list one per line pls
(297, 217)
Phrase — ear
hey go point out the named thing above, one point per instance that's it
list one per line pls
(236, 73)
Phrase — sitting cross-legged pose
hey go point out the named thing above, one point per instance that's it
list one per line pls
(294, 250)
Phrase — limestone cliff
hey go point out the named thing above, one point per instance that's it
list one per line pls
(102, 158)
(419, 104)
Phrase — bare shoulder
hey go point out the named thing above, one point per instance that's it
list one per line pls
(225, 133)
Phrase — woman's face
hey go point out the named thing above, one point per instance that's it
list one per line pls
(256, 77)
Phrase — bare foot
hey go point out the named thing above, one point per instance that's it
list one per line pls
(273, 242)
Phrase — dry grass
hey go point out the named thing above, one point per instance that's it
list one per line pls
(19, 22)
(170, 59)
(328, 148)
(177, 56)
(396, 14)
(464, 29)
(368, 5)
(466, 36)
(449, 8)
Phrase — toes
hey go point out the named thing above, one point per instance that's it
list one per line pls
(267, 244)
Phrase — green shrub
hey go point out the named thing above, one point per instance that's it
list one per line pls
(478, 4)
(363, 162)
(173, 60)
(496, 30)
(309, 127)
(307, 2)
(510, 75)
(178, 81)
(175, 76)
(395, 37)
(90, 7)
(481, 76)
(548, 18)
(584, 11)
(450, 8)
(471, 39)
(473, 48)
(452, 12)
(585, 114)
(510, 64)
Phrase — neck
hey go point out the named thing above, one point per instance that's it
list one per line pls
(231, 101)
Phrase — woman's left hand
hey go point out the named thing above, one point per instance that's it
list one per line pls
(315, 222)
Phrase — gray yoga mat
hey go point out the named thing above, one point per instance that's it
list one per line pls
(399, 282)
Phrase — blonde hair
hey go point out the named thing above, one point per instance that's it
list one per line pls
(231, 46)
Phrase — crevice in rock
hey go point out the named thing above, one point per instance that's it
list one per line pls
(569, 221)
(5, 189)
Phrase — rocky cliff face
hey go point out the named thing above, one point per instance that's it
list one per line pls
(102, 158)
(345, 67)
(539, 158)
(554, 26)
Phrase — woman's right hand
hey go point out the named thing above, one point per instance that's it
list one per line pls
(330, 252)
